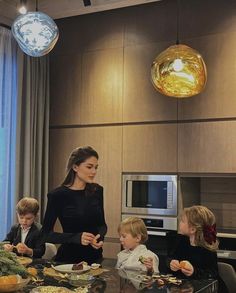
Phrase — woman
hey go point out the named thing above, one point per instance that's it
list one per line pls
(78, 204)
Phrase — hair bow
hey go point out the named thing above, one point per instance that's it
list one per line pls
(209, 233)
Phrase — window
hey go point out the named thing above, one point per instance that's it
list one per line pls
(8, 97)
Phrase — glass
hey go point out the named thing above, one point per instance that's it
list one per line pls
(149, 194)
(36, 33)
(179, 71)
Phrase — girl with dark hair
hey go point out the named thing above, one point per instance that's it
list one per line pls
(78, 204)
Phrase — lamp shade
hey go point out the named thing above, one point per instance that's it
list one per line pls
(36, 33)
(179, 71)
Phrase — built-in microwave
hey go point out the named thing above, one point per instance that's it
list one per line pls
(149, 195)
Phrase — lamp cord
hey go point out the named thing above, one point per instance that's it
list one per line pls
(177, 23)
(36, 5)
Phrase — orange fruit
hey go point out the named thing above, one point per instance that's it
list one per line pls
(183, 264)
(6, 280)
(32, 271)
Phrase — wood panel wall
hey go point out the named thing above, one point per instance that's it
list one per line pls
(219, 195)
(101, 94)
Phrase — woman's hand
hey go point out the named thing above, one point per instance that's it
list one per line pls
(188, 269)
(148, 262)
(96, 244)
(87, 238)
(174, 265)
(8, 247)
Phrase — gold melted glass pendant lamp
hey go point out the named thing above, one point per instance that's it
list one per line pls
(179, 71)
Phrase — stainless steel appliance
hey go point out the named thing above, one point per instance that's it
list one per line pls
(157, 226)
(150, 195)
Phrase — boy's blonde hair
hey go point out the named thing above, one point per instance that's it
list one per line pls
(27, 205)
(203, 220)
(135, 226)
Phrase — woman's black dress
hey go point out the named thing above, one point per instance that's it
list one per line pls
(78, 211)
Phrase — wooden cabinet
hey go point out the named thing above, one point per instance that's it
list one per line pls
(207, 147)
(150, 148)
(102, 83)
(65, 89)
(141, 101)
(218, 98)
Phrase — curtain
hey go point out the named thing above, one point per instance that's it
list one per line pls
(32, 128)
(8, 105)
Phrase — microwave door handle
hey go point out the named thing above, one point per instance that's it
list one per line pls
(157, 233)
(129, 193)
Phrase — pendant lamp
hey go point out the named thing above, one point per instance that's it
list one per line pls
(179, 71)
(35, 32)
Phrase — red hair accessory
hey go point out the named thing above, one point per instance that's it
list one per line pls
(209, 233)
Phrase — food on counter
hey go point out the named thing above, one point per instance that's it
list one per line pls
(80, 266)
(9, 265)
(95, 266)
(51, 289)
(142, 259)
(32, 271)
(54, 274)
(23, 260)
(160, 282)
(11, 279)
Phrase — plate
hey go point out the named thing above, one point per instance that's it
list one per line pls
(23, 260)
(68, 269)
(14, 287)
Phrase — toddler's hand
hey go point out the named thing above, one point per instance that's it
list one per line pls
(148, 262)
(174, 265)
(8, 247)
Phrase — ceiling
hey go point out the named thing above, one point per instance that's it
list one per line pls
(63, 8)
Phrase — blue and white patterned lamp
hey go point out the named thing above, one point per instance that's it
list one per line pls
(36, 33)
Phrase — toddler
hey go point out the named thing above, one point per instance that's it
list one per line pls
(135, 256)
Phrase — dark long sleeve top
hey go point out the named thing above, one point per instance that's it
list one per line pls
(32, 239)
(203, 260)
(78, 211)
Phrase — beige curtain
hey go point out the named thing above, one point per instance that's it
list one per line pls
(32, 128)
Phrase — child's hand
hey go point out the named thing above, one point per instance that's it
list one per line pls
(8, 247)
(23, 249)
(148, 262)
(187, 269)
(174, 265)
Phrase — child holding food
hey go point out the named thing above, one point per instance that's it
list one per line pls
(24, 237)
(195, 254)
(135, 256)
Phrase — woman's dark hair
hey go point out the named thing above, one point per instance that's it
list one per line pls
(78, 156)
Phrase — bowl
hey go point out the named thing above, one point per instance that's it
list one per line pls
(95, 266)
(14, 287)
(80, 280)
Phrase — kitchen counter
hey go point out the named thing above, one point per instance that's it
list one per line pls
(113, 281)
